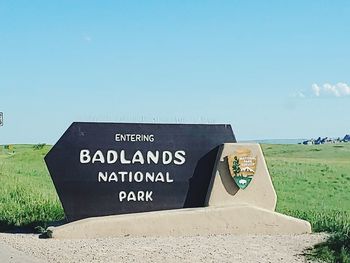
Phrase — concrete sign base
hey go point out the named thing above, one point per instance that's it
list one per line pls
(240, 200)
(236, 219)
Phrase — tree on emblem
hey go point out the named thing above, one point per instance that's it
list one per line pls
(236, 166)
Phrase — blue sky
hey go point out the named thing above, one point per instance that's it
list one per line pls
(276, 69)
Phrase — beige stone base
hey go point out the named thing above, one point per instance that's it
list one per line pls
(236, 219)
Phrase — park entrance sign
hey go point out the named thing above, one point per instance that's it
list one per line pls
(136, 179)
(118, 168)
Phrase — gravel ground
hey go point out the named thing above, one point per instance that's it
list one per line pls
(220, 248)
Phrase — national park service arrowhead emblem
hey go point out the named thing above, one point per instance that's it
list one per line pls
(242, 166)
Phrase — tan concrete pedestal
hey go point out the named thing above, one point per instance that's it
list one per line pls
(229, 210)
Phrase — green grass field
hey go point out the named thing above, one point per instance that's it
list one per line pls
(312, 182)
(27, 195)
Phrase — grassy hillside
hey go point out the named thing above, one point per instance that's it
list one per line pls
(312, 182)
(308, 180)
(27, 195)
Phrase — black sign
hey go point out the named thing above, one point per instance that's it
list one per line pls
(116, 168)
(1, 119)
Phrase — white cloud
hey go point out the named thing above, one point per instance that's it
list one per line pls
(333, 90)
(316, 89)
(338, 90)
(344, 88)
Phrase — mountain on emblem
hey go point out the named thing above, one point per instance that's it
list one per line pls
(242, 167)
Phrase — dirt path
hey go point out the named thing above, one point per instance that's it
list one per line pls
(10, 255)
(221, 248)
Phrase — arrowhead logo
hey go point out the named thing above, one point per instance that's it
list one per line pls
(242, 167)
